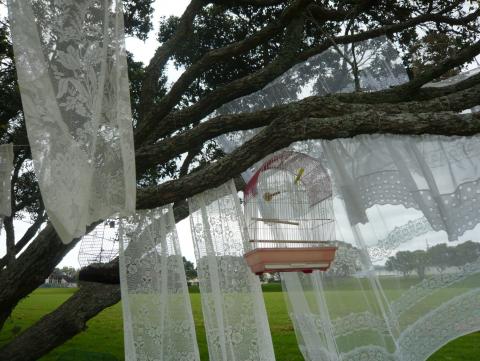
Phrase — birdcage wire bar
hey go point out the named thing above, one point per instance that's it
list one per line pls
(289, 214)
(100, 245)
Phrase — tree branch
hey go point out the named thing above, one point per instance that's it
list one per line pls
(31, 268)
(370, 34)
(236, 88)
(286, 130)
(28, 235)
(10, 241)
(321, 106)
(456, 21)
(8, 221)
(256, 81)
(62, 324)
(163, 53)
(167, 103)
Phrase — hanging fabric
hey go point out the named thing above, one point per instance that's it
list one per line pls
(234, 312)
(157, 314)
(72, 72)
(406, 277)
(436, 175)
(6, 168)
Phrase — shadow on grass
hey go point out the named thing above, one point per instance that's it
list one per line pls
(79, 355)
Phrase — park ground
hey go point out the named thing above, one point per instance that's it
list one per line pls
(104, 336)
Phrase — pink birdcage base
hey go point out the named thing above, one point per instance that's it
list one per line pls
(268, 260)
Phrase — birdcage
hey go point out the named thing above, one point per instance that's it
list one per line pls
(100, 245)
(289, 215)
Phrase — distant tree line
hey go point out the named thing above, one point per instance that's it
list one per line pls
(438, 257)
(190, 270)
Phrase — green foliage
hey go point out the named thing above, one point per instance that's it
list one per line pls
(439, 257)
(138, 17)
(465, 253)
(215, 27)
(190, 270)
(10, 103)
(402, 262)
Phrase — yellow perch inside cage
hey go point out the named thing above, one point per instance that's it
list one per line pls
(273, 220)
(269, 196)
(299, 175)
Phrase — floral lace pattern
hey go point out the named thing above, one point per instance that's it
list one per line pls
(158, 318)
(234, 313)
(72, 73)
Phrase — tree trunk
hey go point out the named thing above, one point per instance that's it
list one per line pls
(65, 322)
(30, 270)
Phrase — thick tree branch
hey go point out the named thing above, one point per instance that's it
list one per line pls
(320, 106)
(31, 268)
(287, 130)
(10, 241)
(8, 221)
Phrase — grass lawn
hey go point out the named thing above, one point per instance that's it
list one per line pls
(105, 334)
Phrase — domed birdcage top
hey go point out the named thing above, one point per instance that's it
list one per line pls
(100, 245)
(303, 168)
(289, 215)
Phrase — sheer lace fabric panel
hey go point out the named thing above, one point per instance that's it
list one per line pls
(439, 176)
(158, 321)
(6, 168)
(72, 73)
(403, 283)
(234, 312)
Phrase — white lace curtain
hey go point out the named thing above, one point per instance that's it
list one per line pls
(158, 322)
(406, 278)
(72, 73)
(233, 309)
